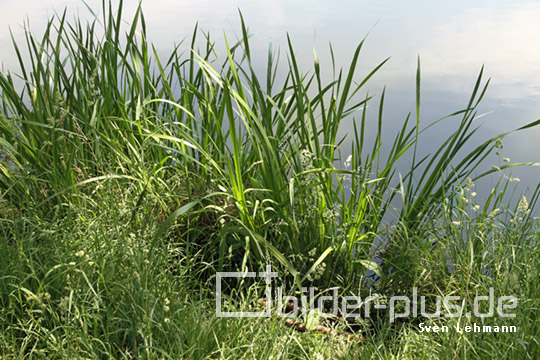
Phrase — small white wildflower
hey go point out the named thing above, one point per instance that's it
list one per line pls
(348, 161)
(515, 179)
(469, 181)
(167, 301)
(166, 308)
(306, 157)
(473, 194)
(476, 207)
(79, 253)
(146, 251)
(72, 263)
(496, 168)
(456, 223)
(506, 159)
(166, 320)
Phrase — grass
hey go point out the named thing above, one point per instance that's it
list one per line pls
(128, 180)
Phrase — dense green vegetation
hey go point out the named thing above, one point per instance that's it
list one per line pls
(128, 179)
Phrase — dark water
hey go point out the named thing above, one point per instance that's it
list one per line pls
(453, 40)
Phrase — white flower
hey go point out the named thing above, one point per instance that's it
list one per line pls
(348, 161)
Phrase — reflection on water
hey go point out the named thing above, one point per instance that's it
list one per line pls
(453, 40)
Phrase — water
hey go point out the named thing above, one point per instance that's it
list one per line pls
(453, 41)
